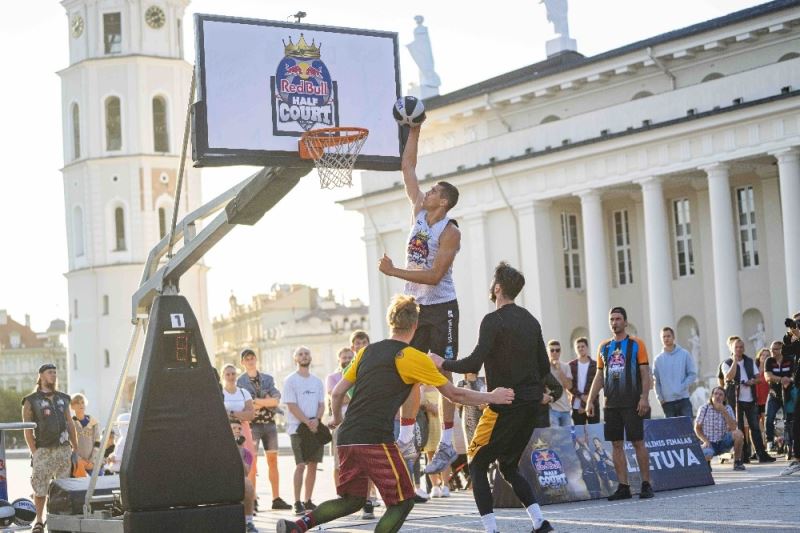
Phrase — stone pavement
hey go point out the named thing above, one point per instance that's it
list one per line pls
(755, 500)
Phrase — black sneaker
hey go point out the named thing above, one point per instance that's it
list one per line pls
(647, 491)
(737, 465)
(544, 528)
(279, 505)
(369, 512)
(286, 526)
(309, 505)
(299, 509)
(766, 458)
(623, 493)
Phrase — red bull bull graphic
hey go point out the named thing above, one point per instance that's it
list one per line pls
(303, 92)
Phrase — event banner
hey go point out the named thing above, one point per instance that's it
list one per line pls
(567, 464)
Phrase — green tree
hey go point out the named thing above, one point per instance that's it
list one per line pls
(11, 406)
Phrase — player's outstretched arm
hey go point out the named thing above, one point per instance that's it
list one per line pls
(499, 396)
(409, 167)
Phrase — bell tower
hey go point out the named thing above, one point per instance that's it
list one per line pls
(124, 103)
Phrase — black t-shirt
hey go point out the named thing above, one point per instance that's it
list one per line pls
(511, 347)
(782, 370)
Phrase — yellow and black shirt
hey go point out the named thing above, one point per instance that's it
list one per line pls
(383, 374)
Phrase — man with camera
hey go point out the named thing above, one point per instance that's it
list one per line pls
(738, 375)
(791, 348)
(778, 374)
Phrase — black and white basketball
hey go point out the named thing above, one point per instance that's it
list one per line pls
(409, 111)
(24, 512)
(6, 514)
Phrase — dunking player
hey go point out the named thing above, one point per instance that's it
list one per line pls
(383, 374)
(511, 347)
(433, 244)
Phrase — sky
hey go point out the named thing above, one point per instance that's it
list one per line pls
(307, 238)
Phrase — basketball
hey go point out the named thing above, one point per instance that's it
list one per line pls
(24, 512)
(409, 111)
(6, 514)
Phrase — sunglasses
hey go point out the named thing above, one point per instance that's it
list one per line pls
(555, 350)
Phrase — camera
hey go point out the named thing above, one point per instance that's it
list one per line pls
(791, 323)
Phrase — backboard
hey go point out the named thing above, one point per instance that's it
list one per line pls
(261, 84)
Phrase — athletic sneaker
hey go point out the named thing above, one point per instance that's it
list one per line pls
(408, 450)
(299, 509)
(445, 491)
(309, 505)
(647, 491)
(436, 492)
(738, 465)
(279, 505)
(420, 496)
(623, 493)
(368, 513)
(793, 467)
(250, 528)
(766, 459)
(544, 528)
(286, 526)
(444, 457)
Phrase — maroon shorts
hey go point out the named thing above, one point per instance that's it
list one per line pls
(380, 463)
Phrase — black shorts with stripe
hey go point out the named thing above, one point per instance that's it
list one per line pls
(503, 435)
(437, 329)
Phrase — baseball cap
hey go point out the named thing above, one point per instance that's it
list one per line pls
(246, 352)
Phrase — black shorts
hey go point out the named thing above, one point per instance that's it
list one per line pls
(623, 423)
(437, 329)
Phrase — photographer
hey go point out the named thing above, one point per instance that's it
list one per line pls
(247, 462)
(791, 348)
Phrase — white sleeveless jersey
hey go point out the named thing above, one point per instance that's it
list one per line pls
(423, 245)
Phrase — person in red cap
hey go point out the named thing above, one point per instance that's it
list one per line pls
(54, 441)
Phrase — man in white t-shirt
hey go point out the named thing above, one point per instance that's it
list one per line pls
(560, 410)
(304, 395)
(582, 370)
(738, 376)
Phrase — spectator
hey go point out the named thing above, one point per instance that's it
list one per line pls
(715, 426)
(305, 400)
(53, 441)
(626, 381)
(88, 432)
(265, 402)
(778, 374)
(239, 406)
(560, 410)
(791, 348)
(115, 459)
(345, 356)
(762, 392)
(674, 371)
(739, 379)
(582, 370)
(247, 463)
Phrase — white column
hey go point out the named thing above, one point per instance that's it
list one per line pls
(789, 176)
(537, 264)
(377, 302)
(596, 265)
(659, 269)
(475, 306)
(727, 296)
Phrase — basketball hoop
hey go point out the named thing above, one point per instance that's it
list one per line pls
(334, 151)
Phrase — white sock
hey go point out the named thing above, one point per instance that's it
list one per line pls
(447, 436)
(406, 433)
(535, 512)
(489, 523)
(248, 518)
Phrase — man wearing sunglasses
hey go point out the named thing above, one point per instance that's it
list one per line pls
(560, 411)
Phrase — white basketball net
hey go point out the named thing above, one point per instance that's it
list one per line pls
(334, 155)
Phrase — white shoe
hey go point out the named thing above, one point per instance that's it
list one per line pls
(793, 467)
(445, 492)
(436, 492)
(422, 495)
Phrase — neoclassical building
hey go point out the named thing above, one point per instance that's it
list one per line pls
(23, 351)
(662, 176)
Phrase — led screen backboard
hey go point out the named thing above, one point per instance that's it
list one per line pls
(262, 83)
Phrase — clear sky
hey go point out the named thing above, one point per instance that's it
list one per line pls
(307, 238)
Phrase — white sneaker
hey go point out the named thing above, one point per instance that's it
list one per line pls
(436, 492)
(793, 467)
(422, 495)
(444, 457)
(445, 492)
